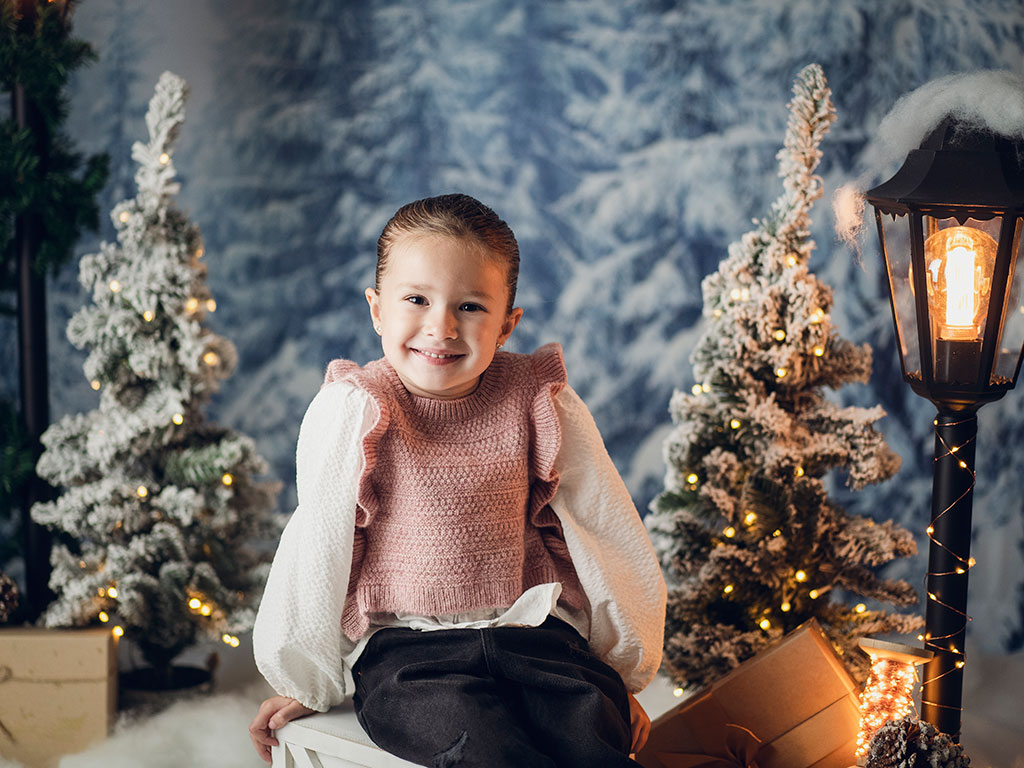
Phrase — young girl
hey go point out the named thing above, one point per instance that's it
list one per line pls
(464, 561)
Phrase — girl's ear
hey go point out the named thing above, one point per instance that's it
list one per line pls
(373, 299)
(511, 321)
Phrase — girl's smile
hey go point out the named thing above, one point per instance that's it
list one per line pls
(441, 312)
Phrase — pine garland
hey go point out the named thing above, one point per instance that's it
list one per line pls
(161, 518)
(750, 541)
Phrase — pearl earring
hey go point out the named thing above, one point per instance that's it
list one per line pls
(377, 329)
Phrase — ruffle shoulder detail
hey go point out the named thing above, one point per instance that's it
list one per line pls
(551, 378)
(369, 379)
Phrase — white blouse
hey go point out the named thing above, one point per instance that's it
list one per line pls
(297, 639)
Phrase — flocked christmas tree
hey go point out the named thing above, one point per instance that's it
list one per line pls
(161, 516)
(750, 540)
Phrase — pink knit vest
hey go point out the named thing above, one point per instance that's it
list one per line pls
(453, 511)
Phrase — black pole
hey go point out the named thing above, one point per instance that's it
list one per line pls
(32, 356)
(948, 567)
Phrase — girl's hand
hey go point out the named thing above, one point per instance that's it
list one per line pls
(273, 713)
(640, 724)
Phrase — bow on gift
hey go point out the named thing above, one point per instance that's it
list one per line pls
(739, 751)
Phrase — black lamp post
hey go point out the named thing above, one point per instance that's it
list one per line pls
(950, 222)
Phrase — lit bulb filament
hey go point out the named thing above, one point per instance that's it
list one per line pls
(959, 274)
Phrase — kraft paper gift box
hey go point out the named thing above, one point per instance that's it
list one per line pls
(793, 705)
(58, 692)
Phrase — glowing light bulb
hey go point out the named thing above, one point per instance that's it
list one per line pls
(95, 384)
(781, 372)
(729, 532)
(195, 603)
(791, 260)
(199, 252)
(735, 424)
(960, 261)
(211, 358)
(814, 594)
(780, 335)
(960, 664)
(104, 617)
(117, 631)
(205, 609)
(692, 478)
(819, 351)
(785, 607)
(142, 491)
(192, 305)
(148, 315)
(750, 518)
(765, 624)
(800, 576)
(115, 286)
(211, 305)
(728, 589)
(860, 608)
(227, 479)
(696, 389)
(678, 692)
(706, 386)
(124, 217)
(963, 465)
(818, 316)
(970, 562)
(777, 532)
(165, 159)
(178, 419)
(112, 592)
(799, 472)
(735, 294)
(226, 638)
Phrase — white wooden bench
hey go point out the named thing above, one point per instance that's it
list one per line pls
(331, 739)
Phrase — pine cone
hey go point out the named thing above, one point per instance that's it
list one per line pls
(8, 597)
(911, 743)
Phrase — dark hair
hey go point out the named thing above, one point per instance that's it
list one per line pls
(457, 216)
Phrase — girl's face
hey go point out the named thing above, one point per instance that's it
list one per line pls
(441, 313)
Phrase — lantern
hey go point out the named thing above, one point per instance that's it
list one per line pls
(949, 223)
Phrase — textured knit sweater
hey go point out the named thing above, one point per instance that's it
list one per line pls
(298, 640)
(453, 514)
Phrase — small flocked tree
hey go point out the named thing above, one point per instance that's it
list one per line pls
(161, 514)
(751, 542)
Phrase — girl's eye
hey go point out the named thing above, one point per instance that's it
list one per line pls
(471, 307)
(418, 300)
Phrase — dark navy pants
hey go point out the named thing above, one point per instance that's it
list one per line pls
(504, 697)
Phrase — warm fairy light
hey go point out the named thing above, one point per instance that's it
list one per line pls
(104, 617)
(142, 491)
(211, 358)
(929, 530)
(963, 465)
(148, 315)
(780, 335)
(115, 286)
(920, 637)
(117, 631)
(101, 592)
(729, 532)
(692, 478)
(205, 609)
(178, 419)
(781, 372)
(765, 624)
(777, 532)
(191, 305)
(735, 294)
(199, 252)
(124, 217)
(717, 313)
(960, 664)
(785, 607)
(931, 596)
(728, 589)
(735, 424)
(227, 479)
(165, 159)
(800, 576)
(750, 518)
(112, 592)
(799, 472)
(860, 608)
(229, 640)
(818, 316)
(95, 384)
(814, 594)
(887, 695)
(970, 562)
(211, 305)
(791, 260)
(696, 389)
(819, 351)
(195, 603)
(706, 386)
(678, 692)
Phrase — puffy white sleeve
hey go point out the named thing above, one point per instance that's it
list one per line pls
(610, 549)
(297, 637)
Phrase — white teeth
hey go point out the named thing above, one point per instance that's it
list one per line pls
(436, 356)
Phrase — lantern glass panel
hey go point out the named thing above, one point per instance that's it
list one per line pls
(894, 232)
(959, 260)
(1012, 338)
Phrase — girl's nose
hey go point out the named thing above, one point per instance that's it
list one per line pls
(442, 324)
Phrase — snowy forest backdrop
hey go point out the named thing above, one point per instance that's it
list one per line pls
(627, 143)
